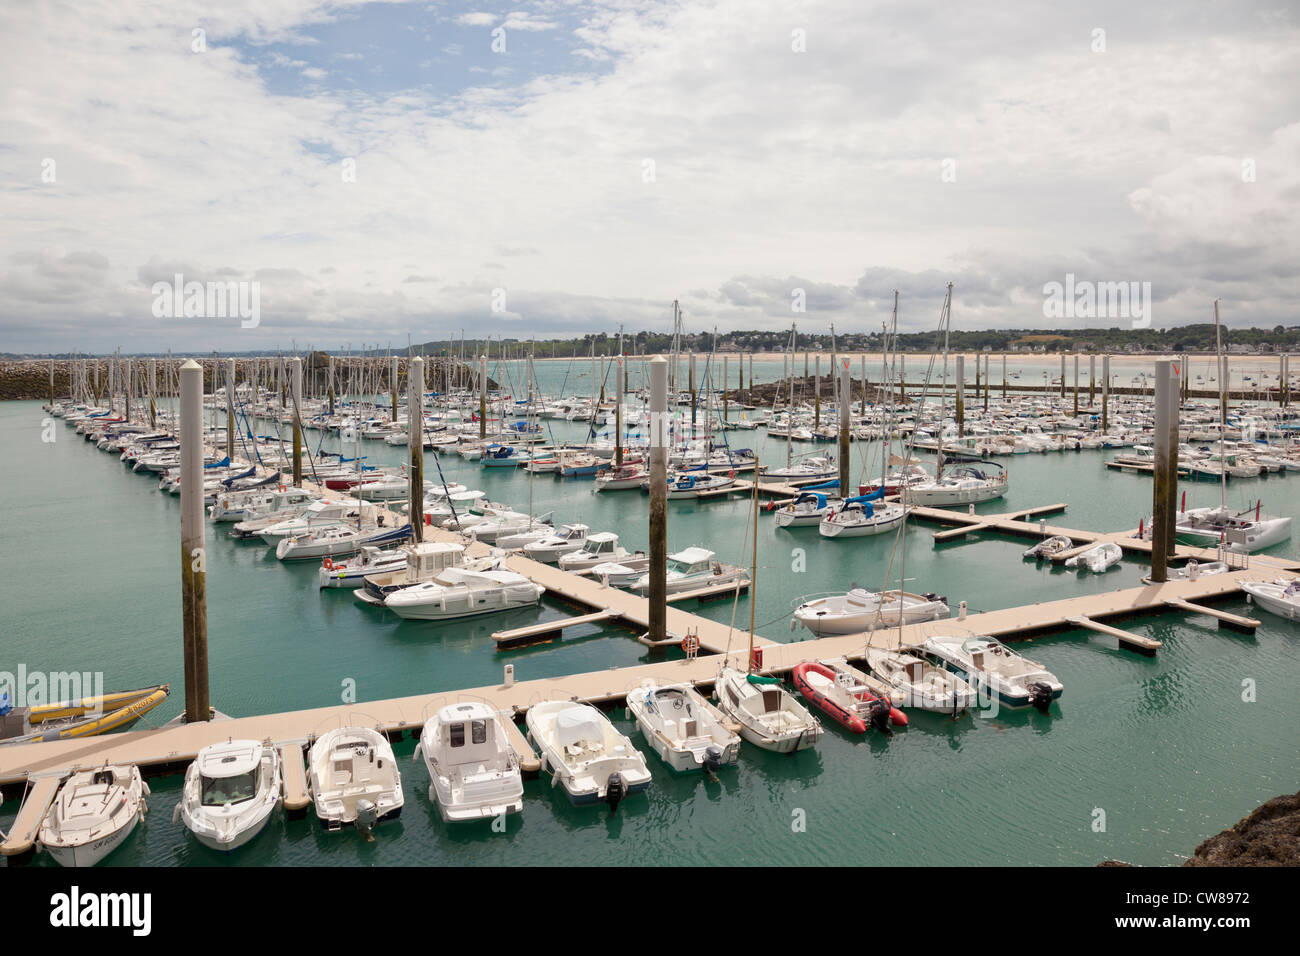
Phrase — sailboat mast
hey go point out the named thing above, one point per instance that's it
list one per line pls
(1223, 410)
(753, 573)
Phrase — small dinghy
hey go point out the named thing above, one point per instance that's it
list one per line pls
(473, 774)
(93, 814)
(1049, 546)
(1097, 559)
(683, 728)
(353, 779)
(229, 793)
(585, 754)
(850, 704)
(1280, 597)
(768, 714)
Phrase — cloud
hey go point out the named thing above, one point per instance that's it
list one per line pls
(476, 19)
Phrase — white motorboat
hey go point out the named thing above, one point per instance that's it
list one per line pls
(918, 683)
(862, 610)
(353, 778)
(966, 484)
(600, 548)
(460, 592)
(768, 714)
(230, 790)
(1097, 559)
(859, 517)
(807, 509)
(585, 754)
(623, 573)
(1192, 570)
(692, 484)
(93, 814)
(1280, 597)
(473, 773)
(1049, 546)
(352, 571)
(564, 540)
(257, 502)
(990, 666)
(324, 513)
(684, 729)
(694, 568)
(1244, 532)
(338, 541)
(805, 470)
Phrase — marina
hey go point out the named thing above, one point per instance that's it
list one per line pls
(584, 618)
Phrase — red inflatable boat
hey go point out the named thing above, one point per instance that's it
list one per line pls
(849, 705)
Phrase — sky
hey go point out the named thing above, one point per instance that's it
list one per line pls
(373, 171)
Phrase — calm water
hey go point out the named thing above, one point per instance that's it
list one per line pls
(1165, 746)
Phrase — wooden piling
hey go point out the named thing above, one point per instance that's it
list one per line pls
(658, 604)
(194, 599)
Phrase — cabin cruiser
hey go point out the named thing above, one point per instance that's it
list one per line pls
(862, 610)
(695, 568)
(990, 666)
(93, 814)
(919, 683)
(768, 714)
(683, 728)
(599, 548)
(424, 562)
(352, 571)
(353, 778)
(230, 790)
(473, 773)
(585, 754)
(459, 592)
(564, 540)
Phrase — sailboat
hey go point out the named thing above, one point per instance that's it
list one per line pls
(768, 714)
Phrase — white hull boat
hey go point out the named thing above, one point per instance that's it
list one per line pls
(353, 778)
(915, 682)
(683, 728)
(93, 814)
(861, 610)
(1097, 559)
(473, 773)
(768, 714)
(994, 669)
(457, 592)
(694, 568)
(1048, 547)
(585, 754)
(859, 519)
(229, 793)
(1280, 597)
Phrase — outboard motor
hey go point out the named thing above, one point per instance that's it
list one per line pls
(367, 816)
(1040, 695)
(615, 791)
(878, 717)
(712, 758)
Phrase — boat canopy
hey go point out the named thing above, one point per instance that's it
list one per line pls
(576, 726)
(820, 500)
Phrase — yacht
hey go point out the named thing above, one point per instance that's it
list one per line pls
(585, 754)
(473, 773)
(695, 568)
(966, 484)
(809, 508)
(859, 517)
(768, 714)
(230, 790)
(564, 540)
(353, 778)
(93, 814)
(351, 572)
(599, 548)
(459, 592)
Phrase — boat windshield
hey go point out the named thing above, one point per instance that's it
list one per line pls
(223, 791)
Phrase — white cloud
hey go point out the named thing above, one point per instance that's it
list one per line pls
(476, 19)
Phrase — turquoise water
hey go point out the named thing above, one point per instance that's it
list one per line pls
(1165, 746)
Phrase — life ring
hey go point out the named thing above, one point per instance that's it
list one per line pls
(329, 564)
(283, 489)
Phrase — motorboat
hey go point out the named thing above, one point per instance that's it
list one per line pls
(325, 513)
(1097, 559)
(353, 778)
(622, 573)
(424, 562)
(565, 539)
(809, 508)
(992, 668)
(1049, 547)
(1242, 532)
(1193, 570)
(693, 484)
(1280, 597)
(859, 517)
(862, 610)
(350, 572)
(230, 791)
(808, 469)
(683, 728)
(600, 547)
(473, 773)
(768, 714)
(459, 592)
(93, 814)
(849, 703)
(585, 754)
(338, 541)
(695, 568)
(920, 683)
